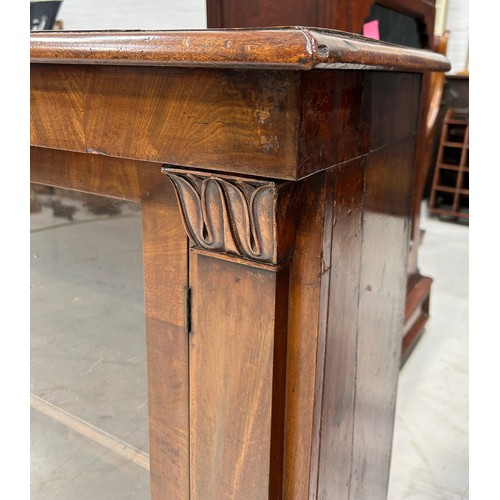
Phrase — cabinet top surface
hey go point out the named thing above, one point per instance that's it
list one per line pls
(287, 48)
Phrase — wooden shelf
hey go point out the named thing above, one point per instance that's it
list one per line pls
(447, 189)
(455, 168)
(450, 144)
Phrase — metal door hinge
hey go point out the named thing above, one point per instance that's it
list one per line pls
(187, 310)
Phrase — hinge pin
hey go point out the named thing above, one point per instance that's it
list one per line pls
(187, 310)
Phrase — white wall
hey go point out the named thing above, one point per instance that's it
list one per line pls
(457, 23)
(440, 20)
(133, 14)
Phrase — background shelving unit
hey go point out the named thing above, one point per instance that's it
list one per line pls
(449, 195)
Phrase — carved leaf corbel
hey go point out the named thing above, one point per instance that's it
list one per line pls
(227, 214)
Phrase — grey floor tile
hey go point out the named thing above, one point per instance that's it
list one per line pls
(88, 347)
(430, 457)
(66, 466)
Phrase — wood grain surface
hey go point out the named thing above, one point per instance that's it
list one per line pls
(380, 316)
(236, 379)
(247, 218)
(206, 118)
(309, 278)
(285, 48)
(164, 247)
(337, 397)
(113, 177)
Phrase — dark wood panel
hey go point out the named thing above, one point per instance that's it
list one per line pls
(380, 317)
(345, 15)
(333, 123)
(339, 382)
(227, 14)
(393, 106)
(235, 397)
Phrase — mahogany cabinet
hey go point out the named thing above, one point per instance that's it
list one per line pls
(403, 22)
(275, 169)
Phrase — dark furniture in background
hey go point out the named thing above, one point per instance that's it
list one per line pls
(449, 197)
(454, 94)
(456, 91)
(404, 22)
(43, 14)
(407, 22)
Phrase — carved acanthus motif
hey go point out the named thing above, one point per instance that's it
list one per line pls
(228, 214)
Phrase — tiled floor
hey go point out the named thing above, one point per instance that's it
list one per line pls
(88, 352)
(88, 382)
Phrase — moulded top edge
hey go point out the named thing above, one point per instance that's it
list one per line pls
(298, 48)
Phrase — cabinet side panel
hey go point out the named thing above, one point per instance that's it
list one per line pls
(382, 294)
(333, 119)
(337, 413)
(393, 101)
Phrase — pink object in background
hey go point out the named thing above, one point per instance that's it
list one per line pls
(371, 30)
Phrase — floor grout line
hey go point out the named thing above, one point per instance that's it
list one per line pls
(98, 436)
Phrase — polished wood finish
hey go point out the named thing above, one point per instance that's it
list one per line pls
(232, 130)
(416, 314)
(276, 206)
(437, 80)
(237, 378)
(276, 48)
(350, 16)
(248, 218)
